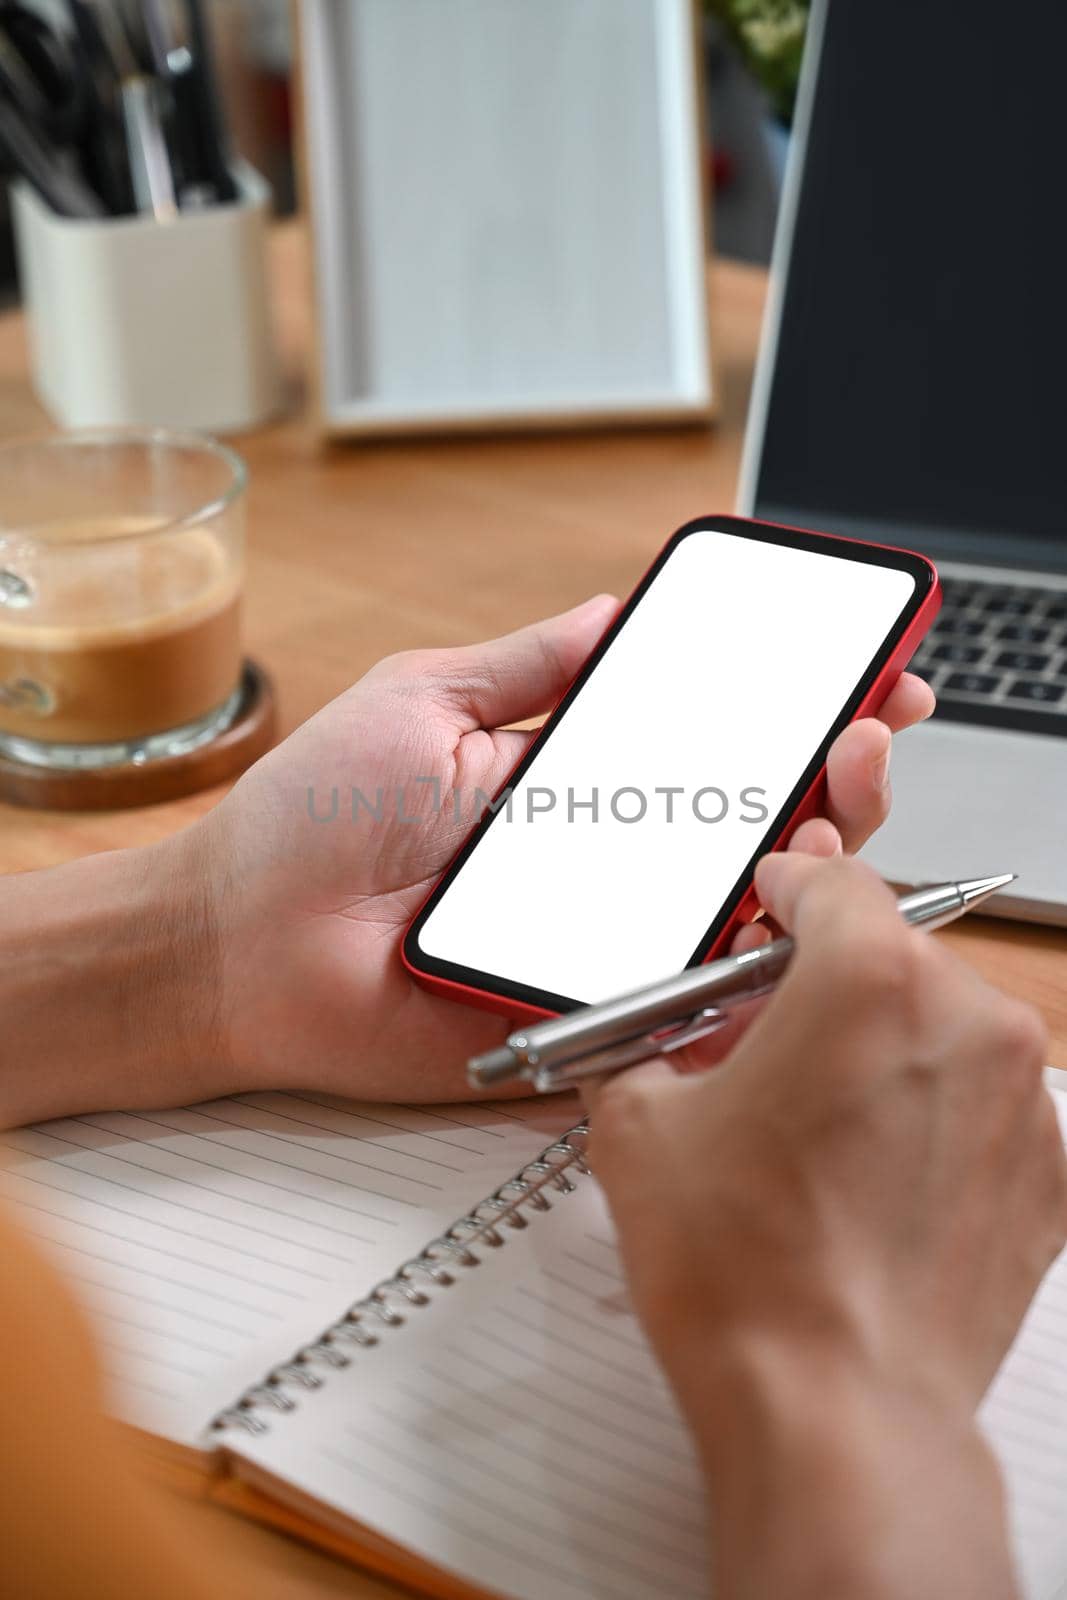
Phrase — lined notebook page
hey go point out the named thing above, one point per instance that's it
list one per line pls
(517, 1432)
(208, 1243)
(1025, 1416)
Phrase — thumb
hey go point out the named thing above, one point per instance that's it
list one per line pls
(524, 673)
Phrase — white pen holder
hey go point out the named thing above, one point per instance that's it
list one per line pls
(139, 322)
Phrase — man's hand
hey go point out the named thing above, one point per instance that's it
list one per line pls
(832, 1238)
(311, 914)
(261, 947)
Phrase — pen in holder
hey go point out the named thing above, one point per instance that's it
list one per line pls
(136, 321)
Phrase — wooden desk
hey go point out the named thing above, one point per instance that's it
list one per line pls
(360, 550)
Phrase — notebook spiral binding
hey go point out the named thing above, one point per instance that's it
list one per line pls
(387, 1304)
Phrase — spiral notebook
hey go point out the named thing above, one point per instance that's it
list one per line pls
(298, 1294)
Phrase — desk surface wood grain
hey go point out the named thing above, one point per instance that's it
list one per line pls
(359, 550)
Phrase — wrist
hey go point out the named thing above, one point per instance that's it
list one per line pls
(108, 984)
(824, 1481)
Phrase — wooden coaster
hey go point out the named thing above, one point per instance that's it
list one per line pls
(116, 788)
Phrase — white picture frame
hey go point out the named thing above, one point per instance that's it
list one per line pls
(506, 207)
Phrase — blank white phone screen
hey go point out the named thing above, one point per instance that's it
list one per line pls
(642, 808)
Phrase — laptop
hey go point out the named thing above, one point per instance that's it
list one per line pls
(911, 388)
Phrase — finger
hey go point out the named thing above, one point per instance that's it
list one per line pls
(817, 837)
(651, 1074)
(753, 936)
(589, 1090)
(857, 773)
(715, 1047)
(783, 878)
(841, 905)
(909, 701)
(524, 673)
(511, 744)
(780, 879)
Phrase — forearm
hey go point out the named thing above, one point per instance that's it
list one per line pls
(108, 973)
(823, 1487)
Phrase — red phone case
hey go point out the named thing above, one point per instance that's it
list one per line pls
(811, 805)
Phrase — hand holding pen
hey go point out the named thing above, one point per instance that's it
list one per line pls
(831, 1241)
(666, 1016)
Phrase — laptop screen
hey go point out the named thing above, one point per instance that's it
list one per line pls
(919, 386)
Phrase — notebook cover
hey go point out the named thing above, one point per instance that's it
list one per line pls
(360, 1547)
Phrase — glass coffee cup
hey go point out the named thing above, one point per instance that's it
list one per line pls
(121, 569)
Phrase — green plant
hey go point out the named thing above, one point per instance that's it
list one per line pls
(770, 37)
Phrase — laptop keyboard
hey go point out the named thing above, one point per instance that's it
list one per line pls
(997, 655)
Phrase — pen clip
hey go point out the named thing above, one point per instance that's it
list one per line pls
(676, 1034)
(627, 1054)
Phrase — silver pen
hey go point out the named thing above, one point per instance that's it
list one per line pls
(664, 1016)
(150, 171)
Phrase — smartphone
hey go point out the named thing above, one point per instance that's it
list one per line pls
(693, 740)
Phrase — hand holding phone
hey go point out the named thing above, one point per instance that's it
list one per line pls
(692, 741)
(290, 904)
